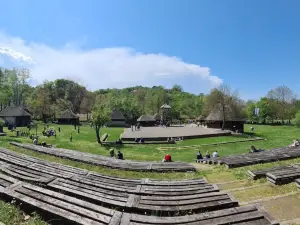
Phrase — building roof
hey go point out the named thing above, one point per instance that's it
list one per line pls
(146, 118)
(230, 115)
(68, 114)
(157, 116)
(14, 111)
(165, 106)
(117, 115)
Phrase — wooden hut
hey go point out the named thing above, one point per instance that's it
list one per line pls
(68, 117)
(147, 120)
(157, 117)
(233, 119)
(117, 119)
(15, 116)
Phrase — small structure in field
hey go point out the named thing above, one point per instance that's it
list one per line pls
(147, 120)
(234, 121)
(16, 116)
(68, 117)
(117, 119)
(157, 117)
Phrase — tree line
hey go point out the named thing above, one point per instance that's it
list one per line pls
(47, 100)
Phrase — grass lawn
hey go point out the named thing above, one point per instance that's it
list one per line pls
(276, 136)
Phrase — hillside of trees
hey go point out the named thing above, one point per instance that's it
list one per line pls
(48, 100)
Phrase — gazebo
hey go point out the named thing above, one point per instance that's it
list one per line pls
(233, 120)
(117, 119)
(15, 116)
(68, 117)
(165, 108)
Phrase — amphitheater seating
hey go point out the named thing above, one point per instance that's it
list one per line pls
(108, 161)
(257, 174)
(283, 176)
(257, 158)
(82, 197)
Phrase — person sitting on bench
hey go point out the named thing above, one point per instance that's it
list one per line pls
(296, 143)
(207, 156)
(35, 141)
(199, 157)
(215, 154)
(120, 155)
(253, 149)
(112, 152)
(168, 158)
(44, 144)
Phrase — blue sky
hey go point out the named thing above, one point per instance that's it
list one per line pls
(251, 45)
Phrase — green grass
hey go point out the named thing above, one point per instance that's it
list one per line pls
(276, 136)
(10, 214)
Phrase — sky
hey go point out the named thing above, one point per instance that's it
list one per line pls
(250, 45)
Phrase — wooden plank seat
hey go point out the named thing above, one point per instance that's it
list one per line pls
(65, 207)
(25, 160)
(244, 215)
(141, 201)
(257, 174)
(283, 176)
(23, 173)
(6, 181)
(108, 161)
(260, 157)
(297, 181)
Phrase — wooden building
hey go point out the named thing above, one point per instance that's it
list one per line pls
(68, 117)
(147, 121)
(234, 121)
(117, 119)
(16, 116)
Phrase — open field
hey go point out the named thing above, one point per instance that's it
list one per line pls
(276, 136)
(234, 180)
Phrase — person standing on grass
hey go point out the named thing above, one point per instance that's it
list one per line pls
(71, 138)
(78, 130)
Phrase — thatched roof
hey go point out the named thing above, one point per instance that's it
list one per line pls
(165, 106)
(68, 114)
(14, 111)
(157, 116)
(230, 115)
(146, 118)
(117, 115)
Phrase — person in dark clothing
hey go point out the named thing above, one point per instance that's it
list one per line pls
(207, 155)
(199, 156)
(120, 155)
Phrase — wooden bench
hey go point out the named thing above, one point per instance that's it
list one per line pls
(283, 176)
(257, 174)
(141, 201)
(245, 215)
(260, 157)
(61, 207)
(108, 161)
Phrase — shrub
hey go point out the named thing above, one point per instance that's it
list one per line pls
(296, 121)
(2, 122)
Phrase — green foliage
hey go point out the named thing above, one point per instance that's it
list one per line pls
(100, 116)
(296, 120)
(2, 122)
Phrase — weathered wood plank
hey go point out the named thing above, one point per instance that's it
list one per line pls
(107, 161)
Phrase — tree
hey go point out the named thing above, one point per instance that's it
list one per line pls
(282, 98)
(225, 100)
(2, 123)
(100, 116)
(296, 121)
(249, 111)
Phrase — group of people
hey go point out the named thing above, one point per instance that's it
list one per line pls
(119, 155)
(199, 156)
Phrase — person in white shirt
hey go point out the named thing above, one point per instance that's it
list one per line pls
(215, 154)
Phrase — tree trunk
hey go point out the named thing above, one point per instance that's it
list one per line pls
(97, 128)
(224, 119)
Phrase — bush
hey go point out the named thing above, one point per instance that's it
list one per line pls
(296, 121)
(2, 122)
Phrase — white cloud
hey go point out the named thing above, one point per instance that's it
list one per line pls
(103, 68)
